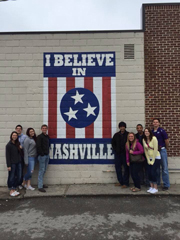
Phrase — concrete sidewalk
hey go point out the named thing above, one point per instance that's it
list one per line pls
(87, 190)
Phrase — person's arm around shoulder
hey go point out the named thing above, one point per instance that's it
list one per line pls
(26, 147)
(8, 157)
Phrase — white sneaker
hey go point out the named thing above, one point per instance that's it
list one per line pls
(30, 188)
(20, 187)
(150, 189)
(153, 191)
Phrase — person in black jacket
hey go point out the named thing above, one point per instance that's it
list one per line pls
(43, 156)
(13, 161)
(118, 144)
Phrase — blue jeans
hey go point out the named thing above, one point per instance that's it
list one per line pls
(120, 160)
(43, 163)
(165, 172)
(14, 177)
(30, 168)
(152, 171)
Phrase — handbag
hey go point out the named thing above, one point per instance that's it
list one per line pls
(136, 158)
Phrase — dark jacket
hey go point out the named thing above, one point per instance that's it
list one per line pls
(42, 144)
(12, 154)
(119, 141)
(139, 138)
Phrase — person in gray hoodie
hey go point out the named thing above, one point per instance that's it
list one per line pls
(30, 154)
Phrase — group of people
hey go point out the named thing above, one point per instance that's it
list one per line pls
(141, 155)
(23, 150)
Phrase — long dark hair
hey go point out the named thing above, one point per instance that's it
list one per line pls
(17, 143)
(28, 134)
(150, 136)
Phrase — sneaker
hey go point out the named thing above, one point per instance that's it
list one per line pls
(41, 190)
(150, 189)
(153, 191)
(20, 187)
(30, 188)
(165, 188)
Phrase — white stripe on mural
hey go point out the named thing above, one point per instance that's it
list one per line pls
(113, 105)
(45, 101)
(61, 124)
(97, 89)
(79, 132)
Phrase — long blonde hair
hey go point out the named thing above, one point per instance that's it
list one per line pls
(133, 143)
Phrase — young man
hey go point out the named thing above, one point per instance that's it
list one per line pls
(118, 144)
(43, 156)
(21, 138)
(139, 135)
(163, 143)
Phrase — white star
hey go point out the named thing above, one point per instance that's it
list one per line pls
(71, 114)
(90, 110)
(78, 97)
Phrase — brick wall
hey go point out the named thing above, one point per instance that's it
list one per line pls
(21, 90)
(162, 69)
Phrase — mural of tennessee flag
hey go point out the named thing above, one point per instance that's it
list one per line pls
(80, 106)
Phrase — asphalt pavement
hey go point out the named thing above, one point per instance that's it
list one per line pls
(91, 217)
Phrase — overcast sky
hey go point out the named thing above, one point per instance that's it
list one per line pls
(71, 15)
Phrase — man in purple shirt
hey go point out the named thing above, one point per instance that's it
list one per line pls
(163, 143)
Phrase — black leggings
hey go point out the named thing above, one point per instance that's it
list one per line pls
(152, 171)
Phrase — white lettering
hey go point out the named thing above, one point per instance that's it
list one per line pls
(94, 155)
(48, 64)
(58, 154)
(82, 150)
(65, 150)
(73, 151)
(102, 154)
(88, 151)
(100, 59)
(76, 63)
(83, 59)
(110, 154)
(68, 59)
(90, 60)
(108, 59)
(58, 60)
(51, 150)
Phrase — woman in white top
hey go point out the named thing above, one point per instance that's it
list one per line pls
(150, 145)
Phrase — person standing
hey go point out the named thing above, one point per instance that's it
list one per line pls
(153, 157)
(21, 138)
(118, 144)
(144, 170)
(30, 154)
(163, 143)
(43, 156)
(133, 147)
(13, 161)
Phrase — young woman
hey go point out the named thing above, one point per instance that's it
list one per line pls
(150, 144)
(30, 154)
(135, 148)
(13, 161)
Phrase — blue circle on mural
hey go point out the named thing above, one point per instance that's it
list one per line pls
(79, 107)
